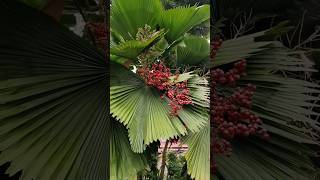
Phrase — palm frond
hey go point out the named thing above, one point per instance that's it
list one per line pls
(238, 48)
(53, 110)
(127, 16)
(145, 114)
(180, 20)
(281, 100)
(198, 154)
(131, 49)
(193, 51)
(124, 163)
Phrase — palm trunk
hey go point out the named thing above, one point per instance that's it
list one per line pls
(164, 159)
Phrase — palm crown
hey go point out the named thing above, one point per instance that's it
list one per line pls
(138, 106)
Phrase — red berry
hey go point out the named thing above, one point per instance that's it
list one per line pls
(158, 77)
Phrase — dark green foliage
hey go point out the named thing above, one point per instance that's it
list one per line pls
(176, 165)
(152, 171)
(53, 99)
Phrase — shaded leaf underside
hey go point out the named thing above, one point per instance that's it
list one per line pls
(53, 99)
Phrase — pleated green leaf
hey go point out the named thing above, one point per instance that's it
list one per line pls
(198, 154)
(282, 100)
(180, 20)
(131, 49)
(124, 163)
(193, 51)
(146, 115)
(128, 16)
(239, 48)
(53, 109)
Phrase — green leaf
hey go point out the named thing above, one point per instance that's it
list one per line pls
(124, 162)
(131, 49)
(119, 60)
(180, 20)
(193, 51)
(198, 154)
(127, 16)
(53, 89)
(145, 114)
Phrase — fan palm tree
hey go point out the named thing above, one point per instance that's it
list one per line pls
(139, 107)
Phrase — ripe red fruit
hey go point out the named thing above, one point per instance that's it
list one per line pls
(231, 115)
(158, 77)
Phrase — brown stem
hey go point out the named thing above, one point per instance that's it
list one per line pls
(164, 159)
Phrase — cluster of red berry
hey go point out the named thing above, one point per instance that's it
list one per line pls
(159, 76)
(230, 114)
(100, 32)
(230, 77)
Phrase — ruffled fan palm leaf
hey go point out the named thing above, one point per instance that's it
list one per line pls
(128, 16)
(193, 50)
(146, 115)
(198, 153)
(180, 20)
(124, 163)
(53, 99)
